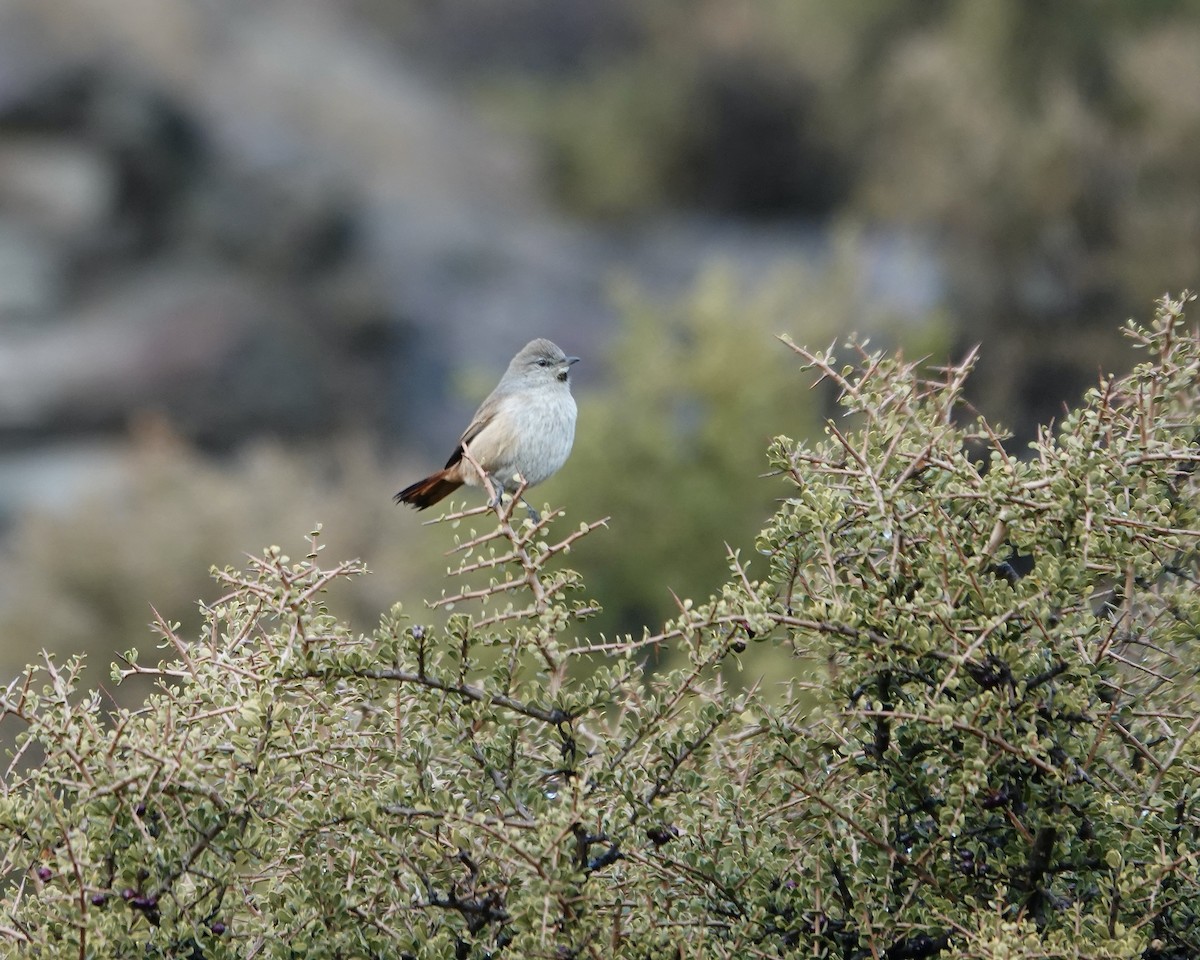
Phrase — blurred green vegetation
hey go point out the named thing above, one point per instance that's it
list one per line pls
(85, 580)
(1050, 151)
(672, 448)
(1007, 122)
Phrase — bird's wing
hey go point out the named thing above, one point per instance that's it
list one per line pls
(483, 417)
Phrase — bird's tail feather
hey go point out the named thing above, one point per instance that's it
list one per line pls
(425, 493)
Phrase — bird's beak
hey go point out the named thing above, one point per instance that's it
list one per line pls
(572, 360)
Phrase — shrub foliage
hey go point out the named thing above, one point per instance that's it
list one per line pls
(988, 750)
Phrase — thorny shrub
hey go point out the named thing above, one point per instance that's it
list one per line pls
(988, 750)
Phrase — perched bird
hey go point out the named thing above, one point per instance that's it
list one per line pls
(523, 431)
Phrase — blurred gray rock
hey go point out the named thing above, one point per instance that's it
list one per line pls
(63, 188)
(31, 273)
(273, 148)
(54, 476)
(257, 217)
(141, 340)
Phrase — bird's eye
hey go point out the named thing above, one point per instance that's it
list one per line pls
(543, 362)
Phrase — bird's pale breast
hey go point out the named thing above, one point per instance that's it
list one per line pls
(542, 430)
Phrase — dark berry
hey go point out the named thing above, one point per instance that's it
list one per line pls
(662, 834)
(44, 874)
(128, 893)
(218, 928)
(139, 810)
(98, 899)
(996, 798)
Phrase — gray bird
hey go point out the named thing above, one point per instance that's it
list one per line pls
(525, 427)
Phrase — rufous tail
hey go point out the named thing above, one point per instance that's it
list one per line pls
(425, 493)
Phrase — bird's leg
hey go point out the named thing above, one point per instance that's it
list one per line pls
(495, 491)
(519, 494)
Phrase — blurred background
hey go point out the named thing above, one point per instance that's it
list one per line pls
(260, 261)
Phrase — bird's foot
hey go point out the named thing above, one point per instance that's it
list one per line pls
(495, 492)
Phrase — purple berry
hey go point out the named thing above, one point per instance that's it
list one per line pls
(44, 874)
(128, 893)
(99, 899)
(218, 928)
(139, 810)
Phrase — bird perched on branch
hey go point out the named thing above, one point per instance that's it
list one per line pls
(521, 434)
